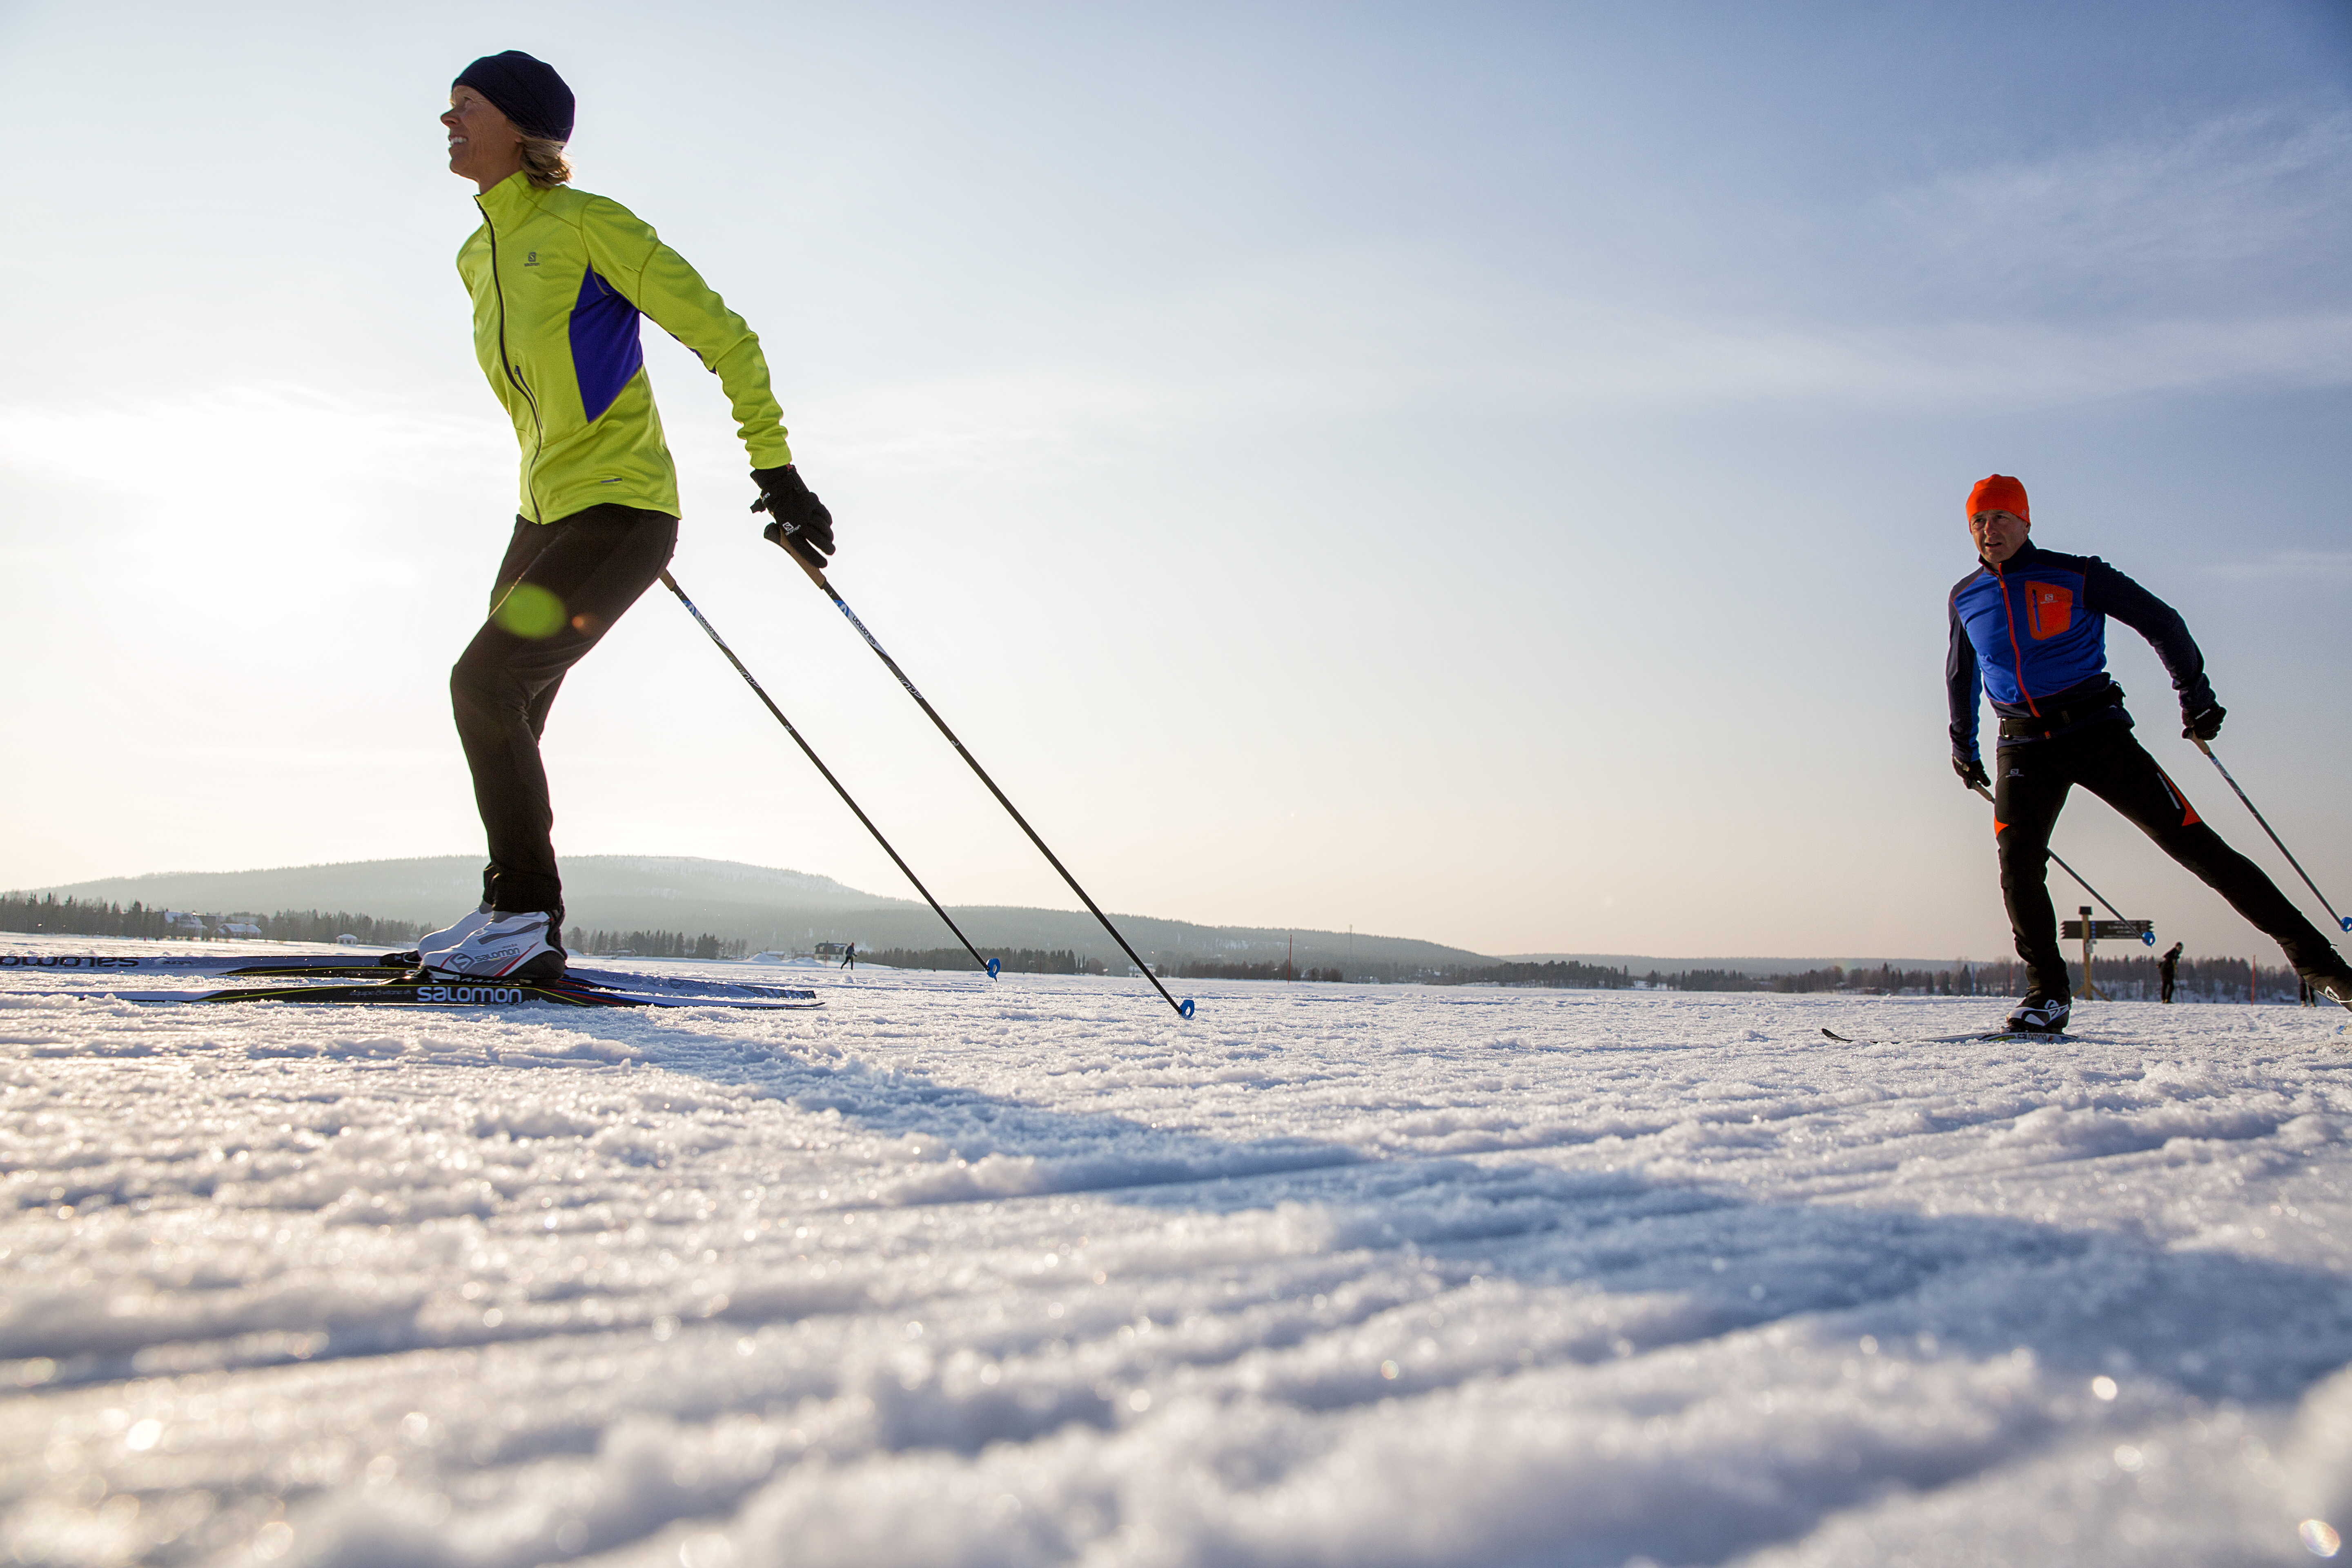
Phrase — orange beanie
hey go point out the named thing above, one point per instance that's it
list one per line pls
(1998, 493)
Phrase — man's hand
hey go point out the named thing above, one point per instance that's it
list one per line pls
(2205, 724)
(801, 524)
(1971, 773)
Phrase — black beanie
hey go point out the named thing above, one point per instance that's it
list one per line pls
(527, 91)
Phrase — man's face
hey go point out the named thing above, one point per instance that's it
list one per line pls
(1998, 535)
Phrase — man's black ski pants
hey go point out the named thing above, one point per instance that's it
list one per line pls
(560, 589)
(2034, 779)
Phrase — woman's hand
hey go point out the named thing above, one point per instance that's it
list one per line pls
(801, 524)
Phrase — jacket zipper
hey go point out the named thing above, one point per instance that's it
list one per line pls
(2000, 581)
(539, 425)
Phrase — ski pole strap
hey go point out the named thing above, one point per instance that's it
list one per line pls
(2342, 924)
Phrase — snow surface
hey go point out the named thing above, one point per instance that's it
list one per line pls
(950, 1273)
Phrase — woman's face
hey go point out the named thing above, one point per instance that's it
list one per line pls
(484, 145)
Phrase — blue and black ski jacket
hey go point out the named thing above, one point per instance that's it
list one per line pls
(2033, 632)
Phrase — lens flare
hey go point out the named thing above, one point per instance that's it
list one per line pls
(530, 611)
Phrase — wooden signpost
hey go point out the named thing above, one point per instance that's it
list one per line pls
(2091, 931)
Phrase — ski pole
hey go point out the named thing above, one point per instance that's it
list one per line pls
(1184, 1008)
(2148, 937)
(671, 584)
(2339, 920)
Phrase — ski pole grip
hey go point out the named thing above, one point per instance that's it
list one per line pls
(814, 575)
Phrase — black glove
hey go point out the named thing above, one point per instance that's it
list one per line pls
(802, 524)
(2205, 724)
(1971, 773)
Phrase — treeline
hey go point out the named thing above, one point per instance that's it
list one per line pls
(2196, 980)
(1960, 979)
(49, 915)
(1560, 974)
(309, 925)
(1009, 959)
(2121, 979)
(653, 944)
(1210, 969)
(1038, 961)
(71, 916)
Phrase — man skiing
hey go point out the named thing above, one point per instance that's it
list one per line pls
(559, 279)
(2167, 968)
(2029, 627)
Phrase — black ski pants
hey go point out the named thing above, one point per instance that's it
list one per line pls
(2031, 789)
(560, 589)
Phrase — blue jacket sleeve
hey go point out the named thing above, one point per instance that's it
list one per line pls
(1961, 686)
(2111, 594)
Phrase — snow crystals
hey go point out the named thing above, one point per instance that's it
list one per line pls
(1036, 1273)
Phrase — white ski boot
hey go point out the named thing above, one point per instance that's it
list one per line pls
(2041, 1013)
(503, 947)
(450, 935)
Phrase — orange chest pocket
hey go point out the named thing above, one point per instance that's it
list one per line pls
(2049, 609)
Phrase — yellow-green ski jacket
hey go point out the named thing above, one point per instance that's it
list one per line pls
(558, 279)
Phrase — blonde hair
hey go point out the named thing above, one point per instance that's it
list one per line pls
(543, 163)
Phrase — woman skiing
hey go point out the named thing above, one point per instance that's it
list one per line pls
(559, 279)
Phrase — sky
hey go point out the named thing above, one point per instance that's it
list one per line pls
(1490, 473)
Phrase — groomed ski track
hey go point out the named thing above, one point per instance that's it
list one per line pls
(1034, 1272)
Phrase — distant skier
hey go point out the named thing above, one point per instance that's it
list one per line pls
(848, 957)
(2167, 967)
(559, 279)
(2030, 625)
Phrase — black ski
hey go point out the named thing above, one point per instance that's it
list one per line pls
(424, 991)
(1956, 1040)
(391, 966)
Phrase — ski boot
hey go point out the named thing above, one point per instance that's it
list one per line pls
(2040, 1014)
(466, 925)
(503, 946)
(2335, 984)
(450, 935)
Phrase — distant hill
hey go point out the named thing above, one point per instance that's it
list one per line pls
(647, 890)
(765, 906)
(769, 906)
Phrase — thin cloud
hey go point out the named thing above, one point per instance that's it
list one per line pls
(1502, 360)
(2264, 199)
(2324, 565)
